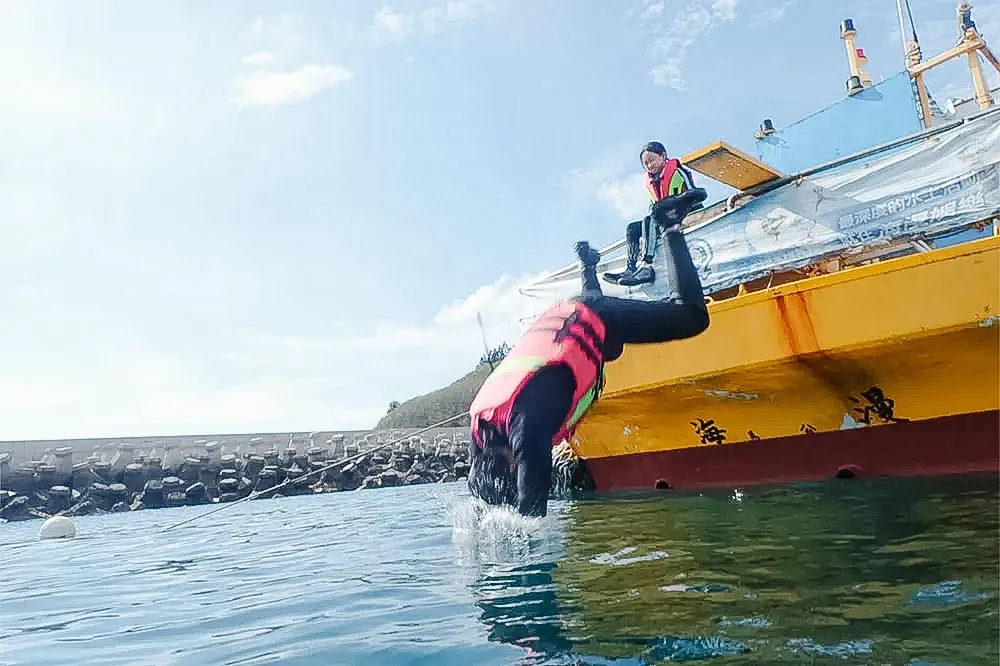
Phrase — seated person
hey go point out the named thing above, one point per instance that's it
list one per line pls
(664, 178)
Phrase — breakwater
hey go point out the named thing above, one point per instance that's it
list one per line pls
(129, 475)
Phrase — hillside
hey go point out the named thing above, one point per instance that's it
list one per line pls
(437, 405)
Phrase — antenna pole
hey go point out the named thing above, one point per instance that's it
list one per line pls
(486, 346)
(902, 30)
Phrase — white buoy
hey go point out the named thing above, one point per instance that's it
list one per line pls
(58, 527)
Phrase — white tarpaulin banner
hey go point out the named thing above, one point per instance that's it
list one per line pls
(940, 184)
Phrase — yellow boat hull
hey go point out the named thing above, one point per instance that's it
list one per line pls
(906, 349)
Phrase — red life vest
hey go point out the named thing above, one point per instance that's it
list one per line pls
(671, 181)
(568, 333)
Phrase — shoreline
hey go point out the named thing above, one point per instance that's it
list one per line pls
(137, 473)
(24, 450)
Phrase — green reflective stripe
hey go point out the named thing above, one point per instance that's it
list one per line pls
(519, 363)
(587, 400)
(512, 364)
(678, 183)
(581, 408)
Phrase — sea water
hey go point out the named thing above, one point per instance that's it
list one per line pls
(845, 572)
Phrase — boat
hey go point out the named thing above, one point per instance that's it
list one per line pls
(853, 283)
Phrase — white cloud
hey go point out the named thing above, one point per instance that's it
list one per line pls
(258, 59)
(451, 340)
(616, 180)
(440, 17)
(673, 39)
(41, 86)
(394, 360)
(390, 26)
(725, 9)
(263, 88)
(283, 35)
(41, 92)
(772, 13)
(653, 9)
(152, 395)
(626, 196)
(241, 381)
(500, 303)
(270, 78)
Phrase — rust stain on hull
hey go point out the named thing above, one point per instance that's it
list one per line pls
(839, 378)
(800, 334)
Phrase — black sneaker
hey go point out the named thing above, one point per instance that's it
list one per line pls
(643, 275)
(613, 278)
(588, 256)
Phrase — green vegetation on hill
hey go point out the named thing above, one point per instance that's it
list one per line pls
(438, 405)
(425, 410)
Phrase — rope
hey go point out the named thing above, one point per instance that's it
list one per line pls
(255, 494)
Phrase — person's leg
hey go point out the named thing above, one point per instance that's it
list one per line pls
(682, 314)
(682, 276)
(669, 213)
(633, 237)
(644, 273)
(648, 240)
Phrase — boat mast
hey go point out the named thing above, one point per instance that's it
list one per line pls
(970, 44)
(912, 57)
(902, 28)
(967, 32)
(856, 59)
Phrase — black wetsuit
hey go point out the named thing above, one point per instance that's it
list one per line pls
(682, 314)
(543, 404)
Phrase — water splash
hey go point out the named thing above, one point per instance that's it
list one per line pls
(482, 534)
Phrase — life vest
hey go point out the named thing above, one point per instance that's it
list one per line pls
(568, 333)
(671, 181)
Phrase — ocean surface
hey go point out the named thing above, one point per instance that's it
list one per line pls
(845, 572)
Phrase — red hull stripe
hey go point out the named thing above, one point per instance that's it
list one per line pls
(960, 444)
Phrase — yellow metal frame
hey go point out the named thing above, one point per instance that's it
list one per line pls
(727, 164)
(846, 328)
(972, 45)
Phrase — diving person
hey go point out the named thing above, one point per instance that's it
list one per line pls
(664, 178)
(540, 392)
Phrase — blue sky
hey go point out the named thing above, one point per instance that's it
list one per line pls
(250, 216)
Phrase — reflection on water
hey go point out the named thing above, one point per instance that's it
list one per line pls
(866, 571)
(859, 572)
